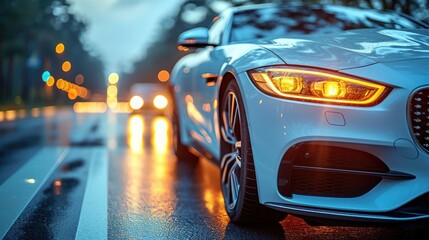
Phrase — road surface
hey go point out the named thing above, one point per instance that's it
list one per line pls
(65, 175)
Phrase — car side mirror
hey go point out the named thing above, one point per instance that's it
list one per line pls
(194, 38)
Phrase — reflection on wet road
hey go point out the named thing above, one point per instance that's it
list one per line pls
(156, 196)
(96, 176)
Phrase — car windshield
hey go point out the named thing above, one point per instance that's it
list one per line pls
(282, 21)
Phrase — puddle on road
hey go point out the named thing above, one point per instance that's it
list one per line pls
(72, 166)
(55, 210)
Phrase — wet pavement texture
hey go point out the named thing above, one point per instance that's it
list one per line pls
(114, 176)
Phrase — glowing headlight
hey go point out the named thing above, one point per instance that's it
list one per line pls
(160, 102)
(136, 102)
(317, 86)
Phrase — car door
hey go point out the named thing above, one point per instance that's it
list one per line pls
(206, 66)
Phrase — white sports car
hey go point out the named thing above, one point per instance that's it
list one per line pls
(318, 111)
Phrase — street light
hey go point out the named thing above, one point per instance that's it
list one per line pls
(113, 78)
(66, 66)
(112, 90)
(59, 48)
(163, 75)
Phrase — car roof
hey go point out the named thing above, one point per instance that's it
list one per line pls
(256, 6)
(245, 8)
(251, 7)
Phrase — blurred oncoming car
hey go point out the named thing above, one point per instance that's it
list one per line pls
(152, 97)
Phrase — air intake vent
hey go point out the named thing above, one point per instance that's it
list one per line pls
(419, 117)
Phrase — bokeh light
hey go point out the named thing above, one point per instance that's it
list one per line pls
(79, 79)
(82, 92)
(77, 90)
(50, 81)
(59, 83)
(59, 48)
(90, 107)
(45, 76)
(136, 102)
(66, 66)
(112, 102)
(11, 115)
(163, 75)
(160, 102)
(113, 78)
(122, 107)
(72, 94)
(112, 91)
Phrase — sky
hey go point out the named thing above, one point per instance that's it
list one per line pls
(120, 31)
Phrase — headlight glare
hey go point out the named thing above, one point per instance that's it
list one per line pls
(317, 86)
(160, 102)
(329, 89)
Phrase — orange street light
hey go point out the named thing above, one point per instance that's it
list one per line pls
(163, 75)
(59, 48)
(66, 66)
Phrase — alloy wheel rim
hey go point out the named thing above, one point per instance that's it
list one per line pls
(231, 161)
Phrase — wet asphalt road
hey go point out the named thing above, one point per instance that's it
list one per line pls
(114, 176)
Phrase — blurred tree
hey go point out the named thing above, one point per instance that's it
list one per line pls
(29, 32)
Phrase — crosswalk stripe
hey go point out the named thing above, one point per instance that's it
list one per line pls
(18, 190)
(93, 219)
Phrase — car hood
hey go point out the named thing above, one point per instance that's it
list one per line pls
(351, 49)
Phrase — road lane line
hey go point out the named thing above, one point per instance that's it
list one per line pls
(18, 190)
(93, 218)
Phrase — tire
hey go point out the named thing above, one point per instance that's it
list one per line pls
(180, 150)
(238, 179)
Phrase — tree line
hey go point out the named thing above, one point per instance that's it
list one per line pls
(29, 33)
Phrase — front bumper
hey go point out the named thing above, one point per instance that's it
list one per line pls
(277, 125)
(399, 216)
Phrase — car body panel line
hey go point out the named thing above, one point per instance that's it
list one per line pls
(393, 175)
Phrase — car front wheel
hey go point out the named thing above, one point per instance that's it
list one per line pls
(238, 179)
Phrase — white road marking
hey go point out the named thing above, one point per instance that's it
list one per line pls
(84, 128)
(18, 190)
(93, 218)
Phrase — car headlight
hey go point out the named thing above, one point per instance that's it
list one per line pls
(160, 102)
(136, 102)
(317, 86)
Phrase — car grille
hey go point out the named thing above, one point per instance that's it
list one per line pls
(329, 184)
(419, 117)
(326, 184)
(321, 170)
